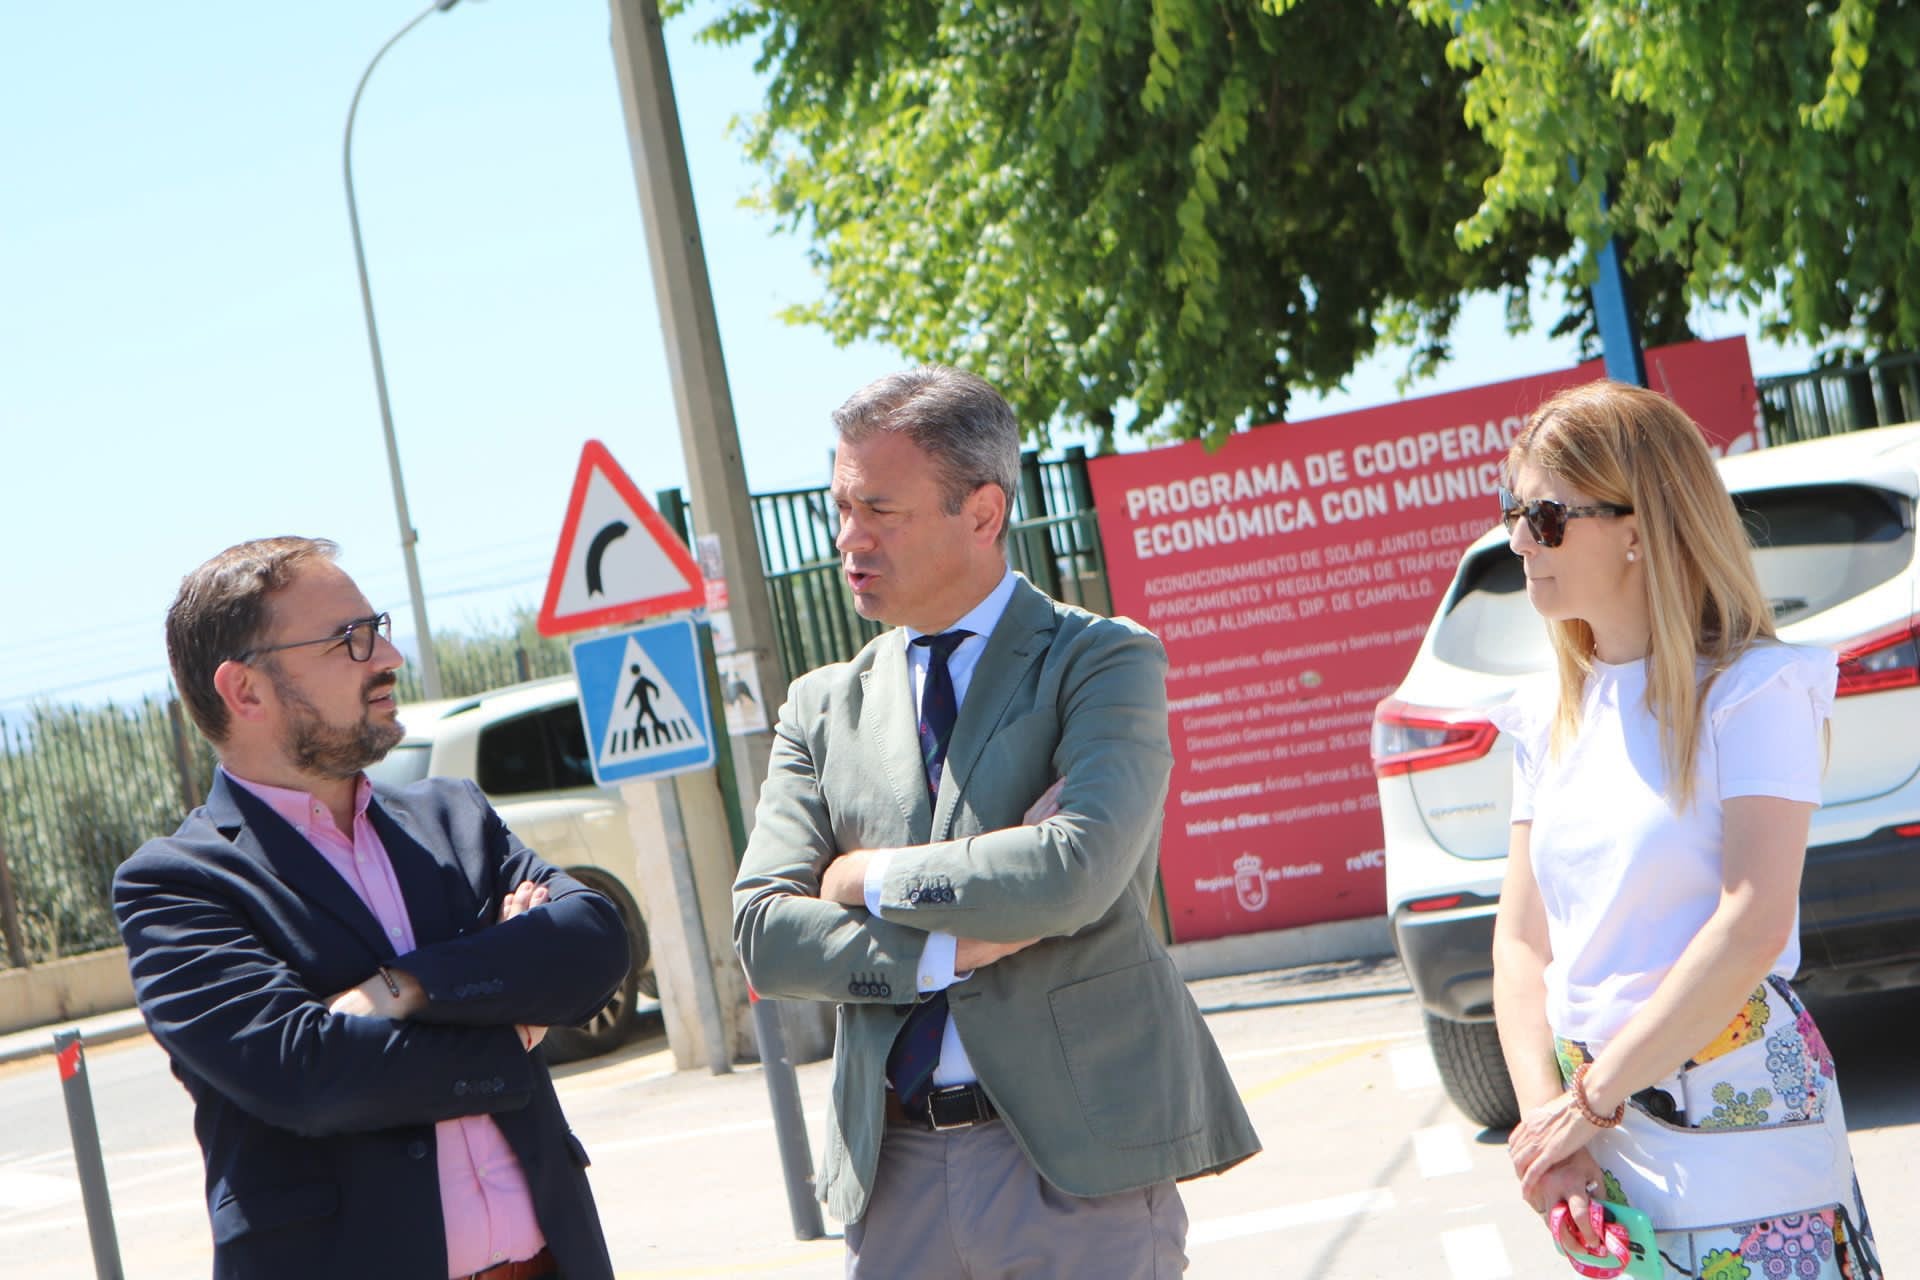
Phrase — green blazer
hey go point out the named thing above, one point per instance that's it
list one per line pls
(1088, 1042)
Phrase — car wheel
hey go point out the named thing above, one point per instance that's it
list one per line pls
(1473, 1070)
(617, 1019)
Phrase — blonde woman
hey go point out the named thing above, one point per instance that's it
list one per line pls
(1650, 916)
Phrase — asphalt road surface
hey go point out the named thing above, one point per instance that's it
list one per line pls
(1368, 1170)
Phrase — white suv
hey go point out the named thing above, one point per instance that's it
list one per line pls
(1832, 522)
(525, 747)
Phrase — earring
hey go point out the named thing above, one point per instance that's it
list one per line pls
(1631, 557)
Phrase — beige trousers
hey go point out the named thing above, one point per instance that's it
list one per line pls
(967, 1204)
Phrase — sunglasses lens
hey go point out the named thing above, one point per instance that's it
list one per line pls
(1548, 520)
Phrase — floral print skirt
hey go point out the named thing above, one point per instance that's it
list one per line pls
(1792, 1080)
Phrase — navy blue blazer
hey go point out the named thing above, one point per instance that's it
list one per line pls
(318, 1128)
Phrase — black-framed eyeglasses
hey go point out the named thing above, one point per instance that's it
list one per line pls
(1547, 519)
(357, 637)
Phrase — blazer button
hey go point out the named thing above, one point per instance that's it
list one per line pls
(417, 1150)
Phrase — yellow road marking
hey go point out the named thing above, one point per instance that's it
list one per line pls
(1312, 1068)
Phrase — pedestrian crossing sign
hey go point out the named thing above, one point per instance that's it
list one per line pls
(643, 695)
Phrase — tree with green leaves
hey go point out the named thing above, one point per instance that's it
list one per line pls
(1761, 155)
(1160, 217)
(1163, 216)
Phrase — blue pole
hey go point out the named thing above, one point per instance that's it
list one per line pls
(1613, 309)
(1612, 301)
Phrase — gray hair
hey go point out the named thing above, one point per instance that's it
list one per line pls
(958, 419)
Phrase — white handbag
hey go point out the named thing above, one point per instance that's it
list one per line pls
(1703, 1179)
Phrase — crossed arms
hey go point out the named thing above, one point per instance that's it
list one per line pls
(208, 950)
(797, 924)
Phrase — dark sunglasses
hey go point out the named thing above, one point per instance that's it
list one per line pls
(1547, 519)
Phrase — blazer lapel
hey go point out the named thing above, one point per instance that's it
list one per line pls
(887, 719)
(429, 884)
(1022, 635)
(264, 835)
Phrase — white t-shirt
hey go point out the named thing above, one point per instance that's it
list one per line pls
(1626, 881)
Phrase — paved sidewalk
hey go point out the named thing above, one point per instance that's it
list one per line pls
(1300, 984)
(686, 1166)
(1335, 980)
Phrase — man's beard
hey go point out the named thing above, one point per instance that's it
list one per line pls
(333, 751)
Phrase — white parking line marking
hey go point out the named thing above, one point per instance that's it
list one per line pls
(660, 1139)
(1280, 1218)
(1280, 1050)
(1475, 1253)
(27, 1191)
(1413, 1067)
(62, 1156)
(1441, 1150)
(171, 1208)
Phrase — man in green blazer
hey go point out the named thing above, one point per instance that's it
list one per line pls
(956, 843)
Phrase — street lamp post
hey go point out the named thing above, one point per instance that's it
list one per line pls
(429, 664)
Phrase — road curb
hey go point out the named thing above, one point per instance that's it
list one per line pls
(19, 1046)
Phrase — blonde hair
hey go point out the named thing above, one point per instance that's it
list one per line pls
(1627, 445)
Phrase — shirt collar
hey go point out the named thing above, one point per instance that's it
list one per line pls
(298, 807)
(983, 617)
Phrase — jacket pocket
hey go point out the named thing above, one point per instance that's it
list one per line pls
(238, 1213)
(1128, 1037)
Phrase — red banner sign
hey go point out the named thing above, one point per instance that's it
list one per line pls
(1291, 575)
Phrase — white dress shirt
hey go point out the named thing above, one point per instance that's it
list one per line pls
(936, 962)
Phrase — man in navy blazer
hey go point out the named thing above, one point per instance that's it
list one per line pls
(352, 982)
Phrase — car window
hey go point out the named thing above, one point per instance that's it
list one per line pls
(1814, 547)
(543, 751)
(514, 758)
(572, 765)
(1818, 545)
(404, 764)
(1489, 626)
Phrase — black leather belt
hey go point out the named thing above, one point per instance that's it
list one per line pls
(955, 1106)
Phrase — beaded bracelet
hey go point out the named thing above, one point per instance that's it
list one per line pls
(1593, 1117)
(386, 976)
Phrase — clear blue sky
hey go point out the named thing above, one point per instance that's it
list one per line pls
(183, 361)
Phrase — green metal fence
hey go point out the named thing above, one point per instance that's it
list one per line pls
(1054, 541)
(1832, 401)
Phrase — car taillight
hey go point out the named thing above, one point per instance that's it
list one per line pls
(1885, 659)
(1407, 738)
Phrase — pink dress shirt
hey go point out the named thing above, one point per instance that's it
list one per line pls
(484, 1199)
